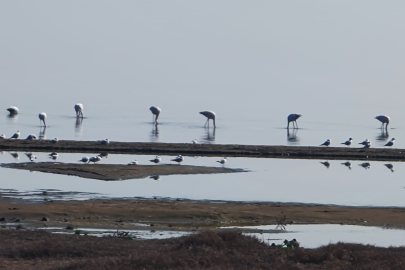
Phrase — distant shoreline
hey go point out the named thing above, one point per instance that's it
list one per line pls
(226, 150)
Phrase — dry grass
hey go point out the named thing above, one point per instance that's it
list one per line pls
(206, 250)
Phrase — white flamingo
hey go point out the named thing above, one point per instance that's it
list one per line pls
(155, 113)
(42, 117)
(209, 115)
(79, 110)
(384, 119)
(293, 118)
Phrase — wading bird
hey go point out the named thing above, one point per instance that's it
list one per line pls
(156, 160)
(13, 110)
(348, 142)
(390, 143)
(209, 115)
(293, 118)
(42, 117)
(326, 143)
(155, 113)
(178, 159)
(384, 119)
(79, 110)
(15, 135)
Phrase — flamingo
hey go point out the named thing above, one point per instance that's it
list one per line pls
(384, 119)
(293, 118)
(13, 110)
(326, 143)
(79, 110)
(209, 115)
(42, 117)
(178, 159)
(390, 143)
(155, 111)
(15, 135)
(348, 142)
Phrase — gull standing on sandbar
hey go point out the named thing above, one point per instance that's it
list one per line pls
(156, 160)
(326, 143)
(348, 142)
(178, 159)
(390, 143)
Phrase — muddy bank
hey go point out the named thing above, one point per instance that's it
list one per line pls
(111, 172)
(266, 151)
(188, 215)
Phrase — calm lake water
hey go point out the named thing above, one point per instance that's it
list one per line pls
(274, 180)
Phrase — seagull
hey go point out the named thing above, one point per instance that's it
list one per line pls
(53, 155)
(156, 160)
(79, 110)
(33, 157)
(15, 135)
(54, 140)
(194, 141)
(368, 145)
(2, 136)
(135, 162)
(390, 166)
(209, 115)
(84, 159)
(347, 164)
(365, 165)
(95, 159)
(42, 117)
(13, 110)
(366, 141)
(348, 142)
(106, 141)
(222, 161)
(31, 137)
(326, 163)
(155, 111)
(178, 159)
(384, 119)
(293, 118)
(390, 143)
(326, 143)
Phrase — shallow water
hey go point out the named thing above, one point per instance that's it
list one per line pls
(313, 236)
(274, 180)
(249, 63)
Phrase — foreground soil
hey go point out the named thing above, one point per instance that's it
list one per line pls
(187, 215)
(206, 250)
(224, 150)
(110, 172)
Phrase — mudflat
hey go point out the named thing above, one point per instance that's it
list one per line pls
(113, 172)
(228, 150)
(188, 215)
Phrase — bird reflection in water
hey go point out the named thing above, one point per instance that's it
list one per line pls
(104, 155)
(383, 136)
(347, 164)
(15, 155)
(209, 135)
(365, 165)
(12, 117)
(154, 134)
(390, 166)
(155, 177)
(326, 164)
(42, 133)
(78, 126)
(292, 136)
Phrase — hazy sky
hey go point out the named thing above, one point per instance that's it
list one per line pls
(277, 56)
